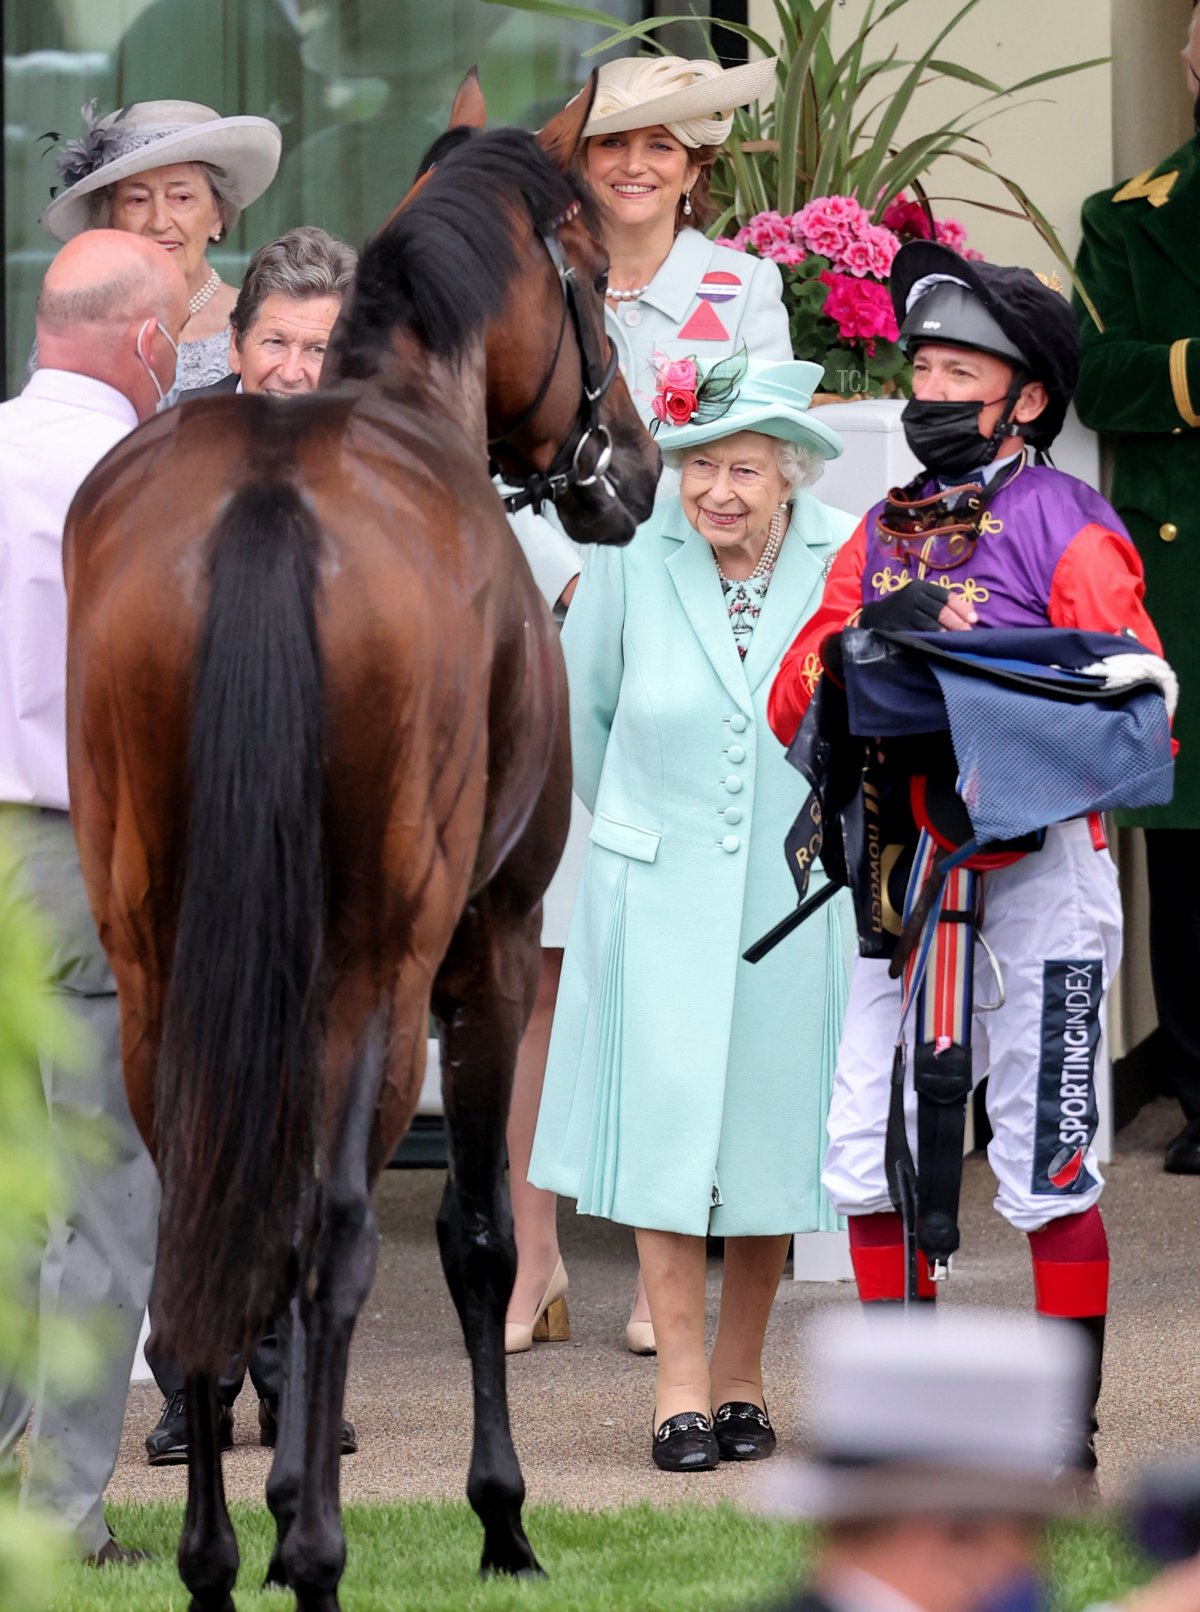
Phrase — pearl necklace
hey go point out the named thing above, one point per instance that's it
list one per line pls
(205, 294)
(770, 553)
(631, 295)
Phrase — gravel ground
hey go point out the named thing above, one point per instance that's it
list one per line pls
(581, 1410)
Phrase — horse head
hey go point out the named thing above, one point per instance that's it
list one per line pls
(577, 436)
(496, 249)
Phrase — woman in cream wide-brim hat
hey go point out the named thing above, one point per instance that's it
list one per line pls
(179, 174)
(656, 127)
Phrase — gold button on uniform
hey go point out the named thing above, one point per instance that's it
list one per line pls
(1168, 531)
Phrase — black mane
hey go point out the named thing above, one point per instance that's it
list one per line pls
(442, 266)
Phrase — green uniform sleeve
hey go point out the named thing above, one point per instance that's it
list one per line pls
(1127, 383)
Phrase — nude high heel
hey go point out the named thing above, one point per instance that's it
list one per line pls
(639, 1338)
(551, 1323)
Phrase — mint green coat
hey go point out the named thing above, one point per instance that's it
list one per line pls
(685, 1089)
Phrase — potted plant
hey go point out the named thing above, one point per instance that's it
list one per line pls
(835, 260)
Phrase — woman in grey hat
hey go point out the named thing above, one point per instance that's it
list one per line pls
(179, 174)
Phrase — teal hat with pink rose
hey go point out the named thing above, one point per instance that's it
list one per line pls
(692, 405)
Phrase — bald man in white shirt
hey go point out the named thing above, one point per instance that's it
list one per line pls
(109, 314)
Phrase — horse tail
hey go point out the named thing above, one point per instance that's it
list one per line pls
(237, 1088)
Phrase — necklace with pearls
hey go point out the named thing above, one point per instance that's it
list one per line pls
(770, 553)
(205, 294)
(631, 295)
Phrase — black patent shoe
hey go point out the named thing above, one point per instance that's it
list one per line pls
(268, 1427)
(743, 1431)
(685, 1443)
(111, 1554)
(1183, 1151)
(167, 1442)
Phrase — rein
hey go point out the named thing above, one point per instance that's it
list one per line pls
(567, 469)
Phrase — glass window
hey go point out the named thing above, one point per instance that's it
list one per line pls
(359, 88)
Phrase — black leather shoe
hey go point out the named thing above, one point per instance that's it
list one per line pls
(167, 1443)
(744, 1433)
(1183, 1151)
(268, 1427)
(111, 1554)
(685, 1443)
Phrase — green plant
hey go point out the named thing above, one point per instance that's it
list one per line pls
(30, 1019)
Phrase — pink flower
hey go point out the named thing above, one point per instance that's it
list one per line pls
(737, 242)
(825, 243)
(883, 247)
(828, 216)
(861, 309)
(676, 408)
(951, 233)
(678, 375)
(972, 254)
(766, 229)
(856, 258)
(787, 253)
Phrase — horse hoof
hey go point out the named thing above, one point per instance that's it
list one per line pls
(515, 1561)
(276, 1578)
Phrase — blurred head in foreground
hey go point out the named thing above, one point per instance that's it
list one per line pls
(940, 1447)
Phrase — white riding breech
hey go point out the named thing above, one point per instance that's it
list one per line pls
(1053, 921)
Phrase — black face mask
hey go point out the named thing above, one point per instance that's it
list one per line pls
(945, 437)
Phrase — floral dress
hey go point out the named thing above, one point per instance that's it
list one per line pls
(744, 602)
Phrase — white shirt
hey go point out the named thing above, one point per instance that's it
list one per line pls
(850, 1589)
(51, 436)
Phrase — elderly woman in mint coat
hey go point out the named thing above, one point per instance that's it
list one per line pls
(685, 1090)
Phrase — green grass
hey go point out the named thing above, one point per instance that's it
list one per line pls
(639, 1559)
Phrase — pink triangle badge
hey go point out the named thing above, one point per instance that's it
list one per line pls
(704, 325)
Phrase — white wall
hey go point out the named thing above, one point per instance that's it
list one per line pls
(1069, 137)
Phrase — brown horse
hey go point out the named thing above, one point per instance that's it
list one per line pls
(319, 777)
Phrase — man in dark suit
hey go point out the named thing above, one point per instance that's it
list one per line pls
(227, 383)
(280, 325)
(942, 1448)
(289, 301)
(1140, 383)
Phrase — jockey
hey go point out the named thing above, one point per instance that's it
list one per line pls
(988, 535)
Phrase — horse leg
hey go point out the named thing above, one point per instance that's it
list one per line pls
(208, 1552)
(482, 999)
(312, 1552)
(287, 1468)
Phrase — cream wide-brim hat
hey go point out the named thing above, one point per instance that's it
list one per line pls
(157, 134)
(693, 99)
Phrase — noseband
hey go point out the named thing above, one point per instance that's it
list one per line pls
(570, 466)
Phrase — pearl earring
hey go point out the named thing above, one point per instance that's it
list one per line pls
(687, 203)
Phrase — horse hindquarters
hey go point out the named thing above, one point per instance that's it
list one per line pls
(237, 1082)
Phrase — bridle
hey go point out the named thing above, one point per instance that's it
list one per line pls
(570, 465)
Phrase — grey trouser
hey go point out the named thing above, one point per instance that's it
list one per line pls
(96, 1263)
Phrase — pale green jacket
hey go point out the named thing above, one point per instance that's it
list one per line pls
(686, 1090)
